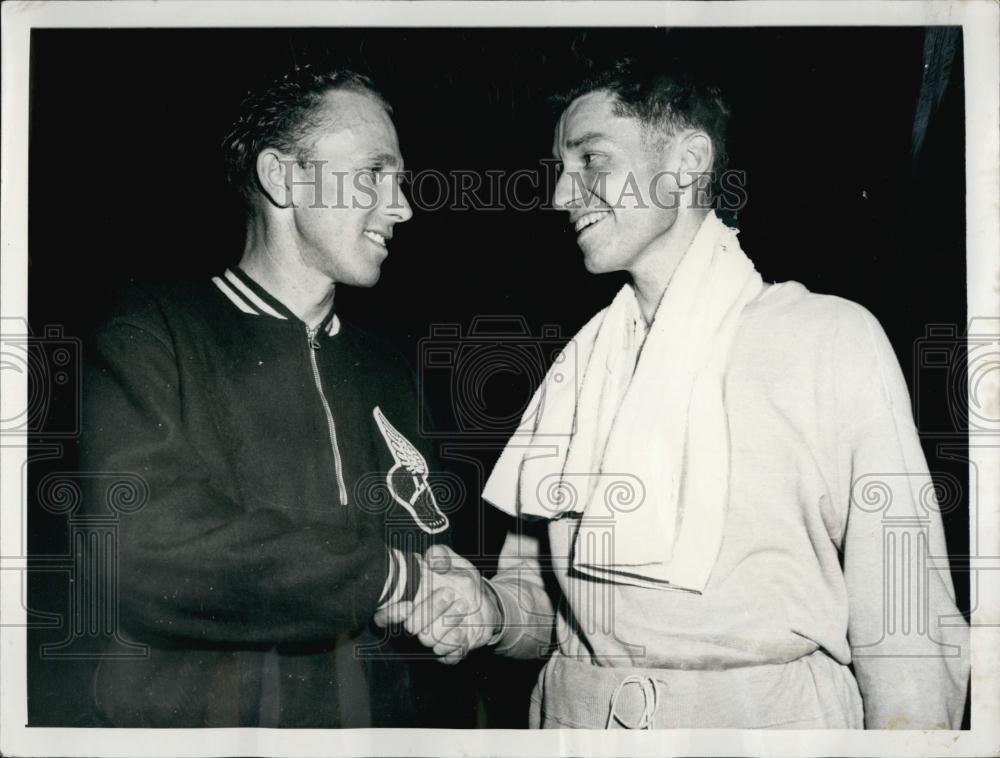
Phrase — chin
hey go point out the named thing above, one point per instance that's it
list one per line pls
(598, 258)
(363, 282)
(362, 274)
(595, 264)
(368, 278)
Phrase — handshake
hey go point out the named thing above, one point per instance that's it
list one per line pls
(455, 609)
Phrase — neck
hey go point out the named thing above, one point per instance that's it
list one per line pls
(652, 273)
(275, 264)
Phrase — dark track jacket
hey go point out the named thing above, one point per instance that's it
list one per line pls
(279, 464)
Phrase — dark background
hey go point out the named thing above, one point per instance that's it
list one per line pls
(126, 184)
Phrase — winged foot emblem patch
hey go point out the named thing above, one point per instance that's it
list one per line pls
(407, 479)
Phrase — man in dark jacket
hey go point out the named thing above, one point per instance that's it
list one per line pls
(288, 497)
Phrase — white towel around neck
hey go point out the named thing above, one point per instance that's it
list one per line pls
(629, 428)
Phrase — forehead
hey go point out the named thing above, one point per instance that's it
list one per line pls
(353, 124)
(593, 115)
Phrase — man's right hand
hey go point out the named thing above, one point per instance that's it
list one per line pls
(454, 611)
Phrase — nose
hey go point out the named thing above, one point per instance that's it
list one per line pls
(398, 207)
(568, 192)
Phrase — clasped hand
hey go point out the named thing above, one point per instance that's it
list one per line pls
(453, 613)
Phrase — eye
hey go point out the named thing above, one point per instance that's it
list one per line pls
(589, 158)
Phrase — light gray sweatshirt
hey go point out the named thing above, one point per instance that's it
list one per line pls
(829, 529)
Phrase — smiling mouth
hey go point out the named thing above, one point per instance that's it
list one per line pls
(584, 222)
(375, 237)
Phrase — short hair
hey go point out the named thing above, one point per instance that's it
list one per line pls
(663, 101)
(283, 116)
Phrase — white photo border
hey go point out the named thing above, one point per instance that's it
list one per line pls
(980, 20)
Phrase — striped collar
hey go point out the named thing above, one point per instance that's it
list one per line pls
(251, 298)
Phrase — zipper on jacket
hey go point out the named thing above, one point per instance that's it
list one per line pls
(331, 427)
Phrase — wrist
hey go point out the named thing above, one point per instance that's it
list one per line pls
(496, 617)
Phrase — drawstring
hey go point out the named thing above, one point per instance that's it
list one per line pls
(651, 701)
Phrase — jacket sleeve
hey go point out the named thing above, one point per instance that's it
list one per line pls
(528, 612)
(909, 641)
(192, 563)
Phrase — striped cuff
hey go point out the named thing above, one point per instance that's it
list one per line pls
(411, 582)
(403, 579)
(391, 579)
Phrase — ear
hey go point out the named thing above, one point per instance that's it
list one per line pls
(274, 174)
(695, 156)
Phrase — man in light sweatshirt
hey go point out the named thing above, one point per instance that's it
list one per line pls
(722, 476)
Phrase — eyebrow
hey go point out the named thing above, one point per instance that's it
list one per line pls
(387, 159)
(584, 138)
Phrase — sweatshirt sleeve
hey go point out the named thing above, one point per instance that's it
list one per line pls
(909, 641)
(529, 616)
(192, 563)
